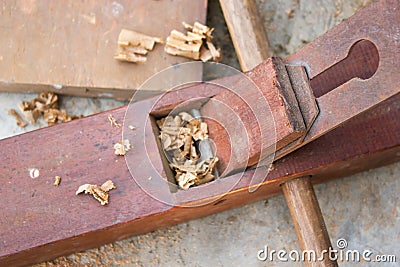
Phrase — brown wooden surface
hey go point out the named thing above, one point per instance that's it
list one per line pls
(308, 220)
(350, 70)
(299, 193)
(45, 221)
(358, 50)
(252, 117)
(40, 221)
(45, 45)
(247, 32)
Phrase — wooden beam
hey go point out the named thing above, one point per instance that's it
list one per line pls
(70, 49)
(247, 32)
(308, 220)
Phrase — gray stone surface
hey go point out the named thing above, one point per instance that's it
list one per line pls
(363, 208)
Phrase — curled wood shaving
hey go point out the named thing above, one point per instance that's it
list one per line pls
(113, 121)
(191, 173)
(133, 46)
(17, 117)
(34, 173)
(178, 135)
(196, 44)
(98, 192)
(122, 147)
(57, 180)
(45, 104)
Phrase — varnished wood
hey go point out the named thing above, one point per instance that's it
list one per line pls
(70, 49)
(40, 221)
(308, 220)
(256, 114)
(247, 32)
(46, 221)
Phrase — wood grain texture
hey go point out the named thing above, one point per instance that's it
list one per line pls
(308, 220)
(361, 49)
(247, 32)
(68, 46)
(255, 114)
(299, 193)
(45, 221)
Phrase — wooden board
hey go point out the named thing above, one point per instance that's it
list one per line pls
(40, 221)
(68, 46)
(247, 32)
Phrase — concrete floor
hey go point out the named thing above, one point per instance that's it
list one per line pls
(363, 208)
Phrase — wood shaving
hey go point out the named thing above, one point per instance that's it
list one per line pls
(134, 46)
(17, 117)
(98, 192)
(34, 173)
(178, 135)
(45, 104)
(196, 44)
(57, 180)
(191, 173)
(113, 121)
(122, 147)
(290, 12)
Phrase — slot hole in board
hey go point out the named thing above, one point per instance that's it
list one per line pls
(361, 62)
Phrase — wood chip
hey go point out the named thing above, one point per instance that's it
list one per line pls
(45, 104)
(57, 180)
(98, 192)
(177, 52)
(178, 135)
(195, 44)
(205, 54)
(113, 121)
(215, 53)
(186, 116)
(290, 12)
(34, 173)
(17, 117)
(122, 147)
(107, 186)
(134, 46)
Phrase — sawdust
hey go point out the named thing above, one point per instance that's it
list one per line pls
(178, 135)
(195, 44)
(100, 193)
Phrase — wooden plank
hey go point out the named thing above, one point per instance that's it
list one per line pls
(247, 32)
(45, 221)
(67, 46)
(308, 220)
